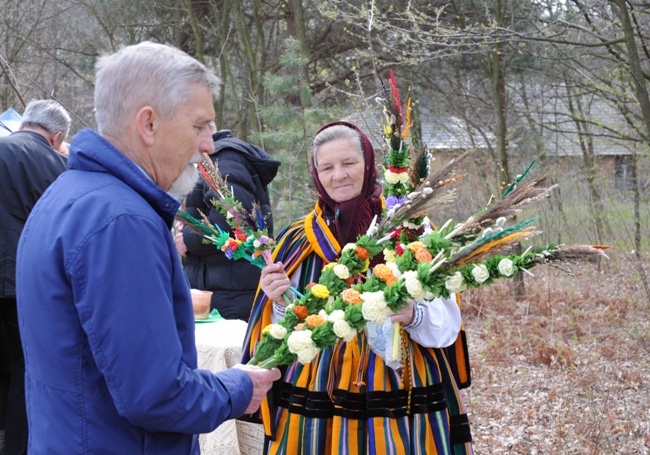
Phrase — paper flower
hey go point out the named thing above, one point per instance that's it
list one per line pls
(456, 283)
(301, 344)
(374, 307)
(480, 273)
(506, 267)
(413, 285)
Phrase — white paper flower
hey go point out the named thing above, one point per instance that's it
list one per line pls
(277, 331)
(428, 295)
(301, 344)
(403, 177)
(374, 307)
(341, 271)
(344, 330)
(455, 283)
(413, 285)
(391, 177)
(409, 225)
(480, 273)
(349, 246)
(506, 267)
(336, 315)
(257, 243)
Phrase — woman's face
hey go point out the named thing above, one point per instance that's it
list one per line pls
(340, 169)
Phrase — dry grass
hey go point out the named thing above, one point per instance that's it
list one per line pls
(566, 370)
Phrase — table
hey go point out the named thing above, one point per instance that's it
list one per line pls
(219, 346)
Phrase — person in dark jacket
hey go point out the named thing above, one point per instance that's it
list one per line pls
(249, 170)
(29, 163)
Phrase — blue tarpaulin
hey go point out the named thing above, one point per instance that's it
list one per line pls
(9, 121)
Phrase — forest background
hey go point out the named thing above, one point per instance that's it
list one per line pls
(560, 362)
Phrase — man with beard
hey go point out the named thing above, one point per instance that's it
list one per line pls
(105, 308)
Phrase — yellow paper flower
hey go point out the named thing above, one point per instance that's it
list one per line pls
(414, 246)
(389, 255)
(320, 291)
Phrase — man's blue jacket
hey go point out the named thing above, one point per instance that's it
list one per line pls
(106, 318)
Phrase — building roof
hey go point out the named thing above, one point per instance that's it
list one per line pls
(548, 114)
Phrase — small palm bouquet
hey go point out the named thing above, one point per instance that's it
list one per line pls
(249, 239)
(419, 263)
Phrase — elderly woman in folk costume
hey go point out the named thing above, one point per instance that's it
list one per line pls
(349, 399)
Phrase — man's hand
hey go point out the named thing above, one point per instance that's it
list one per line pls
(262, 381)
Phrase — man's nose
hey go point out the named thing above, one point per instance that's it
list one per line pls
(207, 144)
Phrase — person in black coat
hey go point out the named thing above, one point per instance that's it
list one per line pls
(248, 170)
(29, 163)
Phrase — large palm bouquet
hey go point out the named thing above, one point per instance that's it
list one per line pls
(419, 263)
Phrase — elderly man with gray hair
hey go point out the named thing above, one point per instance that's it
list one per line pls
(106, 312)
(28, 165)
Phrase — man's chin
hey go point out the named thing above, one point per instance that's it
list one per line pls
(185, 182)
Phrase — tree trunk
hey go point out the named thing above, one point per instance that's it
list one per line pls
(596, 207)
(497, 69)
(640, 87)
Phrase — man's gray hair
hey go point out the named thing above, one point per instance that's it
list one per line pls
(145, 74)
(335, 133)
(48, 115)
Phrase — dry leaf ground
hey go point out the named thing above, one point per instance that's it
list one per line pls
(564, 370)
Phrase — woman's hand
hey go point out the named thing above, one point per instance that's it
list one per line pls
(178, 239)
(275, 282)
(405, 315)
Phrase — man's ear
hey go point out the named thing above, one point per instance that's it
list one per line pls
(146, 123)
(56, 139)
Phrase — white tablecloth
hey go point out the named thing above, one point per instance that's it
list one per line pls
(219, 347)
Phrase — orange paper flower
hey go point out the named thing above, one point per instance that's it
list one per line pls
(383, 272)
(314, 320)
(301, 311)
(361, 253)
(351, 296)
(423, 255)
